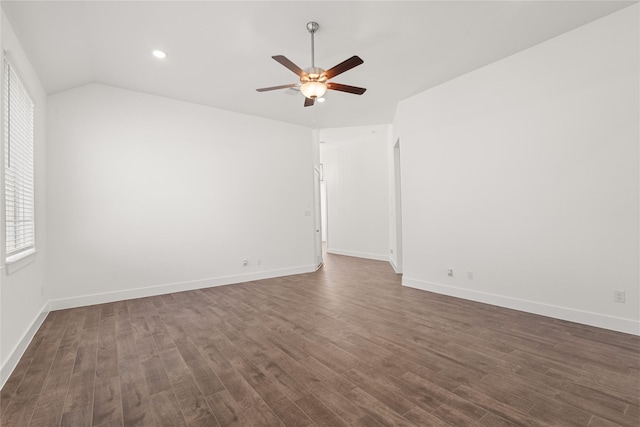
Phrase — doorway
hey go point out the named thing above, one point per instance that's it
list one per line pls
(317, 218)
(398, 206)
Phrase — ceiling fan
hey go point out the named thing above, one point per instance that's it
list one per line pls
(314, 81)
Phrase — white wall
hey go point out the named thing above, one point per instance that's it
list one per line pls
(23, 299)
(151, 195)
(356, 183)
(525, 172)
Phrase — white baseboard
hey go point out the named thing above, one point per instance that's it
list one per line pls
(628, 326)
(394, 266)
(105, 297)
(19, 349)
(358, 254)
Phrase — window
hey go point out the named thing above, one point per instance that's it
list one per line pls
(18, 165)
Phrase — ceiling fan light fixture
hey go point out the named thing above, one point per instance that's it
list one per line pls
(313, 89)
(314, 81)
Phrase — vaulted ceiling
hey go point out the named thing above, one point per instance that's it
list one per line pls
(220, 52)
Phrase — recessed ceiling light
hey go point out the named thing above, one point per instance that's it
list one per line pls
(159, 54)
(320, 99)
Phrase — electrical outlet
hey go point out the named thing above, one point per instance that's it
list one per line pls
(618, 296)
(450, 272)
(245, 262)
(259, 261)
(470, 275)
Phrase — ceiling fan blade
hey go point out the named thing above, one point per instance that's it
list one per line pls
(346, 88)
(264, 89)
(354, 61)
(308, 102)
(290, 65)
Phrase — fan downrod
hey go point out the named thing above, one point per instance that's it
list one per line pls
(312, 27)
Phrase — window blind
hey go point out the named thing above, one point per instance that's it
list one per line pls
(18, 164)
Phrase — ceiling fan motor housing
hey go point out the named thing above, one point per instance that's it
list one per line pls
(313, 74)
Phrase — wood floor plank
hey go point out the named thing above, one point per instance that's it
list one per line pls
(319, 412)
(492, 420)
(86, 356)
(226, 410)
(48, 409)
(107, 402)
(337, 381)
(246, 400)
(145, 343)
(159, 333)
(8, 392)
(420, 417)
(136, 409)
(92, 318)
(35, 376)
(155, 375)
(287, 384)
(193, 403)
(448, 398)
(166, 411)
(376, 410)
(366, 421)
(80, 418)
(553, 412)
(18, 411)
(78, 407)
(107, 356)
(338, 403)
(189, 396)
(206, 378)
(290, 414)
(595, 402)
(496, 407)
(383, 390)
(346, 345)
(452, 415)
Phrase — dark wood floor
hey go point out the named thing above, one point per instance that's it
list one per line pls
(344, 346)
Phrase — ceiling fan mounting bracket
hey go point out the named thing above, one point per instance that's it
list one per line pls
(312, 26)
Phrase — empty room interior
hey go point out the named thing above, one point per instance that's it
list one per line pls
(318, 213)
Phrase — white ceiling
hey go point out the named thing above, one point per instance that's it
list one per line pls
(220, 52)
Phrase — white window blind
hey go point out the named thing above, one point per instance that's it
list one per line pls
(18, 164)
